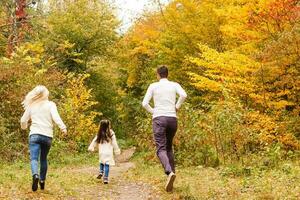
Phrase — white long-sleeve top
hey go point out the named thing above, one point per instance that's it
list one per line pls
(42, 115)
(106, 149)
(164, 95)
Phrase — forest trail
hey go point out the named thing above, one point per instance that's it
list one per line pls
(74, 178)
(73, 182)
(119, 188)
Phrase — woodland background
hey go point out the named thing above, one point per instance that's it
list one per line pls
(239, 61)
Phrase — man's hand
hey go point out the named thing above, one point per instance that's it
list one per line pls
(64, 131)
(176, 109)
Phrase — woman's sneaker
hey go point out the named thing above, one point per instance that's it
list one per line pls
(105, 180)
(170, 182)
(42, 185)
(100, 176)
(35, 181)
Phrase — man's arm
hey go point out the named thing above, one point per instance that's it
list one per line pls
(147, 98)
(182, 96)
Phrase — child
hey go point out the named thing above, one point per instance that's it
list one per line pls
(107, 143)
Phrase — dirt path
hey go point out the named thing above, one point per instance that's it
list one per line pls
(73, 182)
(119, 187)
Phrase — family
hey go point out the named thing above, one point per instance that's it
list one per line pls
(42, 113)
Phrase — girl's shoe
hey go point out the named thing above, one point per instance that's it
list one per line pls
(35, 181)
(100, 176)
(105, 180)
(42, 185)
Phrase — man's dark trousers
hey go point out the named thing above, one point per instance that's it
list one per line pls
(164, 129)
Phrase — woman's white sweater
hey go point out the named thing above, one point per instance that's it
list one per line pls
(42, 114)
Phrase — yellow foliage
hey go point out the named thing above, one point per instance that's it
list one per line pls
(269, 132)
(228, 70)
(203, 83)
(76, 112)
(225, 46)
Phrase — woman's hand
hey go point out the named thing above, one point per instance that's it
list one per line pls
(64, 131)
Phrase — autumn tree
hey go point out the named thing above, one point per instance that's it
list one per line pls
(76, 32)
(234, 52)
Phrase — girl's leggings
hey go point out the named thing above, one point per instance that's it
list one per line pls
(104, 169)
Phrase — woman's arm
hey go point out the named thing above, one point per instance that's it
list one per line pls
(56, 118)
(24, 119)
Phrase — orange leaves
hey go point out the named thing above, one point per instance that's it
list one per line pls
(257, 62)
(147, 29)
(245, 49)
(270, 131)
(271, 19)
(276, 12)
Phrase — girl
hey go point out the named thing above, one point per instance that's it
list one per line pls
(107, 143)
(41, 112)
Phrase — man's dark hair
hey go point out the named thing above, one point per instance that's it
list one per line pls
(163, 71)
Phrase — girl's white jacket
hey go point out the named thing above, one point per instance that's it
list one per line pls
(106, 150)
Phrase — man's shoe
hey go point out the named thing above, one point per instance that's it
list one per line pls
(35, 181)
(170, 182)
(42, 185)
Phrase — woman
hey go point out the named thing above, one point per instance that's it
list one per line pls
(41, 112)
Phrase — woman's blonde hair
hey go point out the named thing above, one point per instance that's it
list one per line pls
(39, 93)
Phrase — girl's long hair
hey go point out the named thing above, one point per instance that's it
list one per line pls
(39, 93)
(104, 134)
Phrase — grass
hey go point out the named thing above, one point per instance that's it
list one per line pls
(73, 177)
(281, 182)
(70, 176)
(63, 179)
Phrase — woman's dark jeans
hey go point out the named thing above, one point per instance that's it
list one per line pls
(39, 146)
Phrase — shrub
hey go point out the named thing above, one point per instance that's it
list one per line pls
(77, 114)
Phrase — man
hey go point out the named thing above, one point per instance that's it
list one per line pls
(164, 119)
